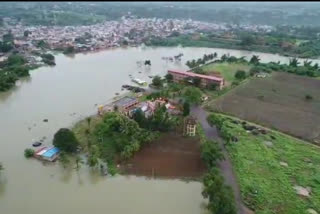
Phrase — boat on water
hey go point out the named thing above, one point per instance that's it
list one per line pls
(139, 81)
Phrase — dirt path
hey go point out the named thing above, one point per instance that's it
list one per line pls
(225, 165)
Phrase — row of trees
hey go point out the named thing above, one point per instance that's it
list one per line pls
(201, 61)
(220, 196)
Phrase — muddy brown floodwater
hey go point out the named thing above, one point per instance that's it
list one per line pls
(170, 156)
(64, 94)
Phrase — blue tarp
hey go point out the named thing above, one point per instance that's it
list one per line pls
(51, 152)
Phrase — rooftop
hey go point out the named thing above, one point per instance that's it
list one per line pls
(191, 74)
(125, 101)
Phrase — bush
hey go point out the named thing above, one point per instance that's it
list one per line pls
(240, 75)
(156, 81)
(65, 140)
(28, 153)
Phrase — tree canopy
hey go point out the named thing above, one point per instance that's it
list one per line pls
(65, 140)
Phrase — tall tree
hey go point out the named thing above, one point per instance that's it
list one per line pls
(65, 140)
(255, 59)
(186, 109)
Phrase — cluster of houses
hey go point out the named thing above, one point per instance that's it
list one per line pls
(128, 105)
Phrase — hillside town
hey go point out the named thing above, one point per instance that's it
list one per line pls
(129, 30)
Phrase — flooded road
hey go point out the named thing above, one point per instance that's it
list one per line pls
(64, 94)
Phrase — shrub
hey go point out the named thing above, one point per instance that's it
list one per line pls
(28, 153)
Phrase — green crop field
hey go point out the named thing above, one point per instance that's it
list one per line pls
(268, 168)
(280, 102)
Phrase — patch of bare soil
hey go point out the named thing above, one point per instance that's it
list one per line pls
(171, 155)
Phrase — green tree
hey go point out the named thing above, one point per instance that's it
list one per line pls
(255, 60)
(79, 162)
(169, 77)
(186, 109)
(65, 140)
(211, 153)
(221, 198)
(8, 37)
(5, 47)
(15, 60)
(240, 75)
(69, 50)
(94, 154)
(157, 82)
(28, 153)
(64, 159)
(294, 62)
(247, 40)
(1, 167)
(192, 95)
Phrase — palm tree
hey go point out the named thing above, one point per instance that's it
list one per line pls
(307, 63)
(255, 59)
(294, 62)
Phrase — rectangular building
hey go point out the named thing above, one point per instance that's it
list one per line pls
(206, 80)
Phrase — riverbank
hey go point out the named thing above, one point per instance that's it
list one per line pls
(213, 42)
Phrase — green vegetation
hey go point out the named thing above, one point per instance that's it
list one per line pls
(186, 109)
(269, 166)
(110, 137)
(220, 196)
(240, 75)
(48, 59)
(11, 70)
(282, 44)
(28, 153)
(65, 140)
(227, 70)
(69, 50)
(192, 95)
(157, 81)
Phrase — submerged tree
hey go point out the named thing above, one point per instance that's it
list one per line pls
(78, 162)
(63, 159)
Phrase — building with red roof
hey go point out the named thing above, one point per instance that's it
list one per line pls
(206, 80)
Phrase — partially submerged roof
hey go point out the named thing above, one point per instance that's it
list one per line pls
(51, 152)
(125, 101)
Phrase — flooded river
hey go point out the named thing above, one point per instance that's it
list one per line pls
(64, 94)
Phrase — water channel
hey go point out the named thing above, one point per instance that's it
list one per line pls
(64, 94)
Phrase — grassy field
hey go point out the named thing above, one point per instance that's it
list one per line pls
(227, 70)
(277, 102)
(267, 186)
